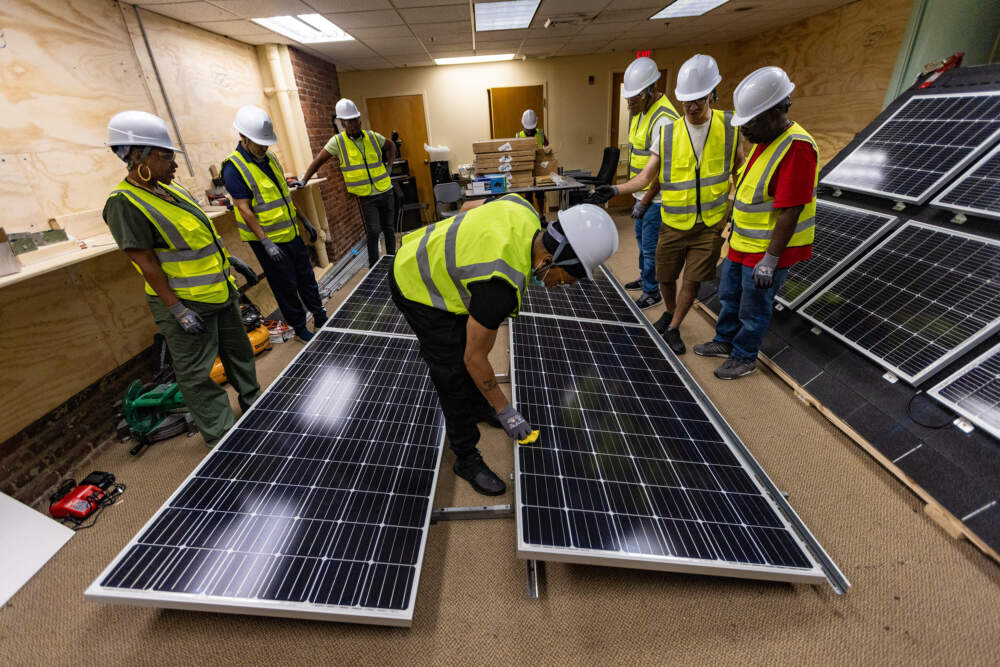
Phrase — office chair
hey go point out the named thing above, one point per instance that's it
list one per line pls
(606, 174)
(449, 199)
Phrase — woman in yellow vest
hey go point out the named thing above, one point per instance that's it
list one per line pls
(365, 160)
(177, 250)
(457, 280)
(529, 121)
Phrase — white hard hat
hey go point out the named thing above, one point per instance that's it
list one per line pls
(697, 78)
(761, 90)
(591, 233)
(254, 124)
(139, 128)
(529, 119)
(347, 109)
(639, 75)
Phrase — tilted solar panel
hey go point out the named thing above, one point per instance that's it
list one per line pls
(595, 299)
(977, 191)
(973, 391)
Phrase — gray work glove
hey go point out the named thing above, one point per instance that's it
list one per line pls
(639, 210)
(516, 426)
(602, 193)
(189, 320)
(295, 184)
(309, 228)
(763, 271)
(244, 269)
(273, 251)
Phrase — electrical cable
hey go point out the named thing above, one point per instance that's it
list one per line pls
(909, 413)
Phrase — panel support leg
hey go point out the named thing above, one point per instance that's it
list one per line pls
(534, 573)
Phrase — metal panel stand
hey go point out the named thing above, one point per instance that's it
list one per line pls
(473, 512)
(533, 575)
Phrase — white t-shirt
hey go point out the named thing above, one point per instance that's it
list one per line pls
(699, 135)
(654, 146)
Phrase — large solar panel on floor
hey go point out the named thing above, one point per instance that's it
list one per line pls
(973, 391)
(921, 297)
(976, 192)
(634, 467)
(595, 299)
(316, 504)
(369, 306)
(921, 146)
(842, 234)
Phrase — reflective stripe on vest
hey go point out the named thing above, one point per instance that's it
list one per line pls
(754, 215)
(539, 136)
(363, 172)
(435, 265)
(271, 202)
(195, 263)
(639, 129)
(681, 195)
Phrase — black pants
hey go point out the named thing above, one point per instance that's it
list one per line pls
(379, 215)
(442, 345)
(292, 281)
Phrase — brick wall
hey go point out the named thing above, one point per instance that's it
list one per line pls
(319, 91)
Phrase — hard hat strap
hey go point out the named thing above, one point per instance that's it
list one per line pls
(563, 242)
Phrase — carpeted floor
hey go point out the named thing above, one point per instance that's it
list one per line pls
(917, 597)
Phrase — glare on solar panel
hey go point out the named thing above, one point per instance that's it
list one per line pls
(973, 391)
(977, 191)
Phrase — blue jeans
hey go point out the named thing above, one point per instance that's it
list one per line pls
(746, 309)
(647, 233)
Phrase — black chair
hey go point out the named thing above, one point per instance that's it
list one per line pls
(609, 165)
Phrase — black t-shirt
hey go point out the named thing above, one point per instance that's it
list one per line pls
(492, 301)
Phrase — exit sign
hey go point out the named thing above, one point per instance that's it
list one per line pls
(648, 53)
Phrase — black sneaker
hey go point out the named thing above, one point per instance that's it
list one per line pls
(661, 324)
(733, 368)
(713, 349)
(634, 286)
(673, 337)
(475, 471)
(648, 300)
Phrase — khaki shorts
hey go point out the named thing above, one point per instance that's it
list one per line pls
(696, 251)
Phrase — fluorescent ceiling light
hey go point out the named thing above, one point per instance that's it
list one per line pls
(305, 28)
(505, 15)
(474, 59)
(687, 8)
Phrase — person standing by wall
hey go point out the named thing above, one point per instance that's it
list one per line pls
(529, 121)
(365, 159)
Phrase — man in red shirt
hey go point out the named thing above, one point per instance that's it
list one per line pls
(773, 219)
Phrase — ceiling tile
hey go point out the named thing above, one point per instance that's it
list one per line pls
(508, 45)
(609, 29)
(441, 29)
(385, 32)
(397, 46)
(556, 29)
(501, 35)
(539, 49)
(365, 19)
(333, 6)
(271, 38)
(564, 7)
(643, 28)
(192, 12)
(401, 4)
(234, 28)
(253, 9)
(345, 50)
(435, 14)
(625, 15)
(618, 5)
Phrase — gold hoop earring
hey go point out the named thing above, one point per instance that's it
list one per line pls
(149, 174)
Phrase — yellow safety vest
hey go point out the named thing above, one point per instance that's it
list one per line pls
(639, 128)
(687, 187)
(363, 172)
(271, 202)
(435, 265)
(754, 216)
(539, 136)
(195, 262)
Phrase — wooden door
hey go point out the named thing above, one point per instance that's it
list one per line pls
(405, 114)
(507, 105)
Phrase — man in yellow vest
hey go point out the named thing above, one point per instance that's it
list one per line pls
(693, 160)
(265, 218)
(774, 219)
(457, 280)
(529, 121)
(650, 110)
(179, 253)
(365, 160)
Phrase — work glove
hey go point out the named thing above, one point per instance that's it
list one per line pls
(295, 184)
(516, 426)
(244, 269)
(273, 251)
(189, 320)
(639, 210)
(763, 271)
(602, 193)
(309, 228)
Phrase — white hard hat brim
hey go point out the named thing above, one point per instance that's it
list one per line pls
(257, 139)
(697, 95)
(350, 116)
(530, 126)
(738, 120)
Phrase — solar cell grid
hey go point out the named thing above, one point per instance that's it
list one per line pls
(842, 234)
(977, 191)
(595, 299)
(369, 307)
(915, 151)
(919, 298)
(973, 391)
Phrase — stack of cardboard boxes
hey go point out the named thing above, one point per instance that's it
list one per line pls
(545, 165)
(512, 158)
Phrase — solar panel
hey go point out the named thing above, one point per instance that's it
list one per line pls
(631, 469)
(920, 146)
(369, 306)
(596, 299)
(842, 234)
(316, 504)
(919, 298)
(977, 191)
(973, 391)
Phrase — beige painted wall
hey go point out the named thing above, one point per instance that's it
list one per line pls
(841, 61)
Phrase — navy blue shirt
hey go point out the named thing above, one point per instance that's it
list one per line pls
(237, 187)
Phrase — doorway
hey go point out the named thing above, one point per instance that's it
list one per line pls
(405, 114)
(507, 104)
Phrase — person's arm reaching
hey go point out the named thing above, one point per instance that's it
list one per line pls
(603, 193)
(389, 153)
(478, 343)
(642, 205)
(153, 273)
(321, 158)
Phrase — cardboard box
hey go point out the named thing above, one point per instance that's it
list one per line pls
(505, 145)
(489, 184)
(517, 155)
(503, 167)
(549, 165)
